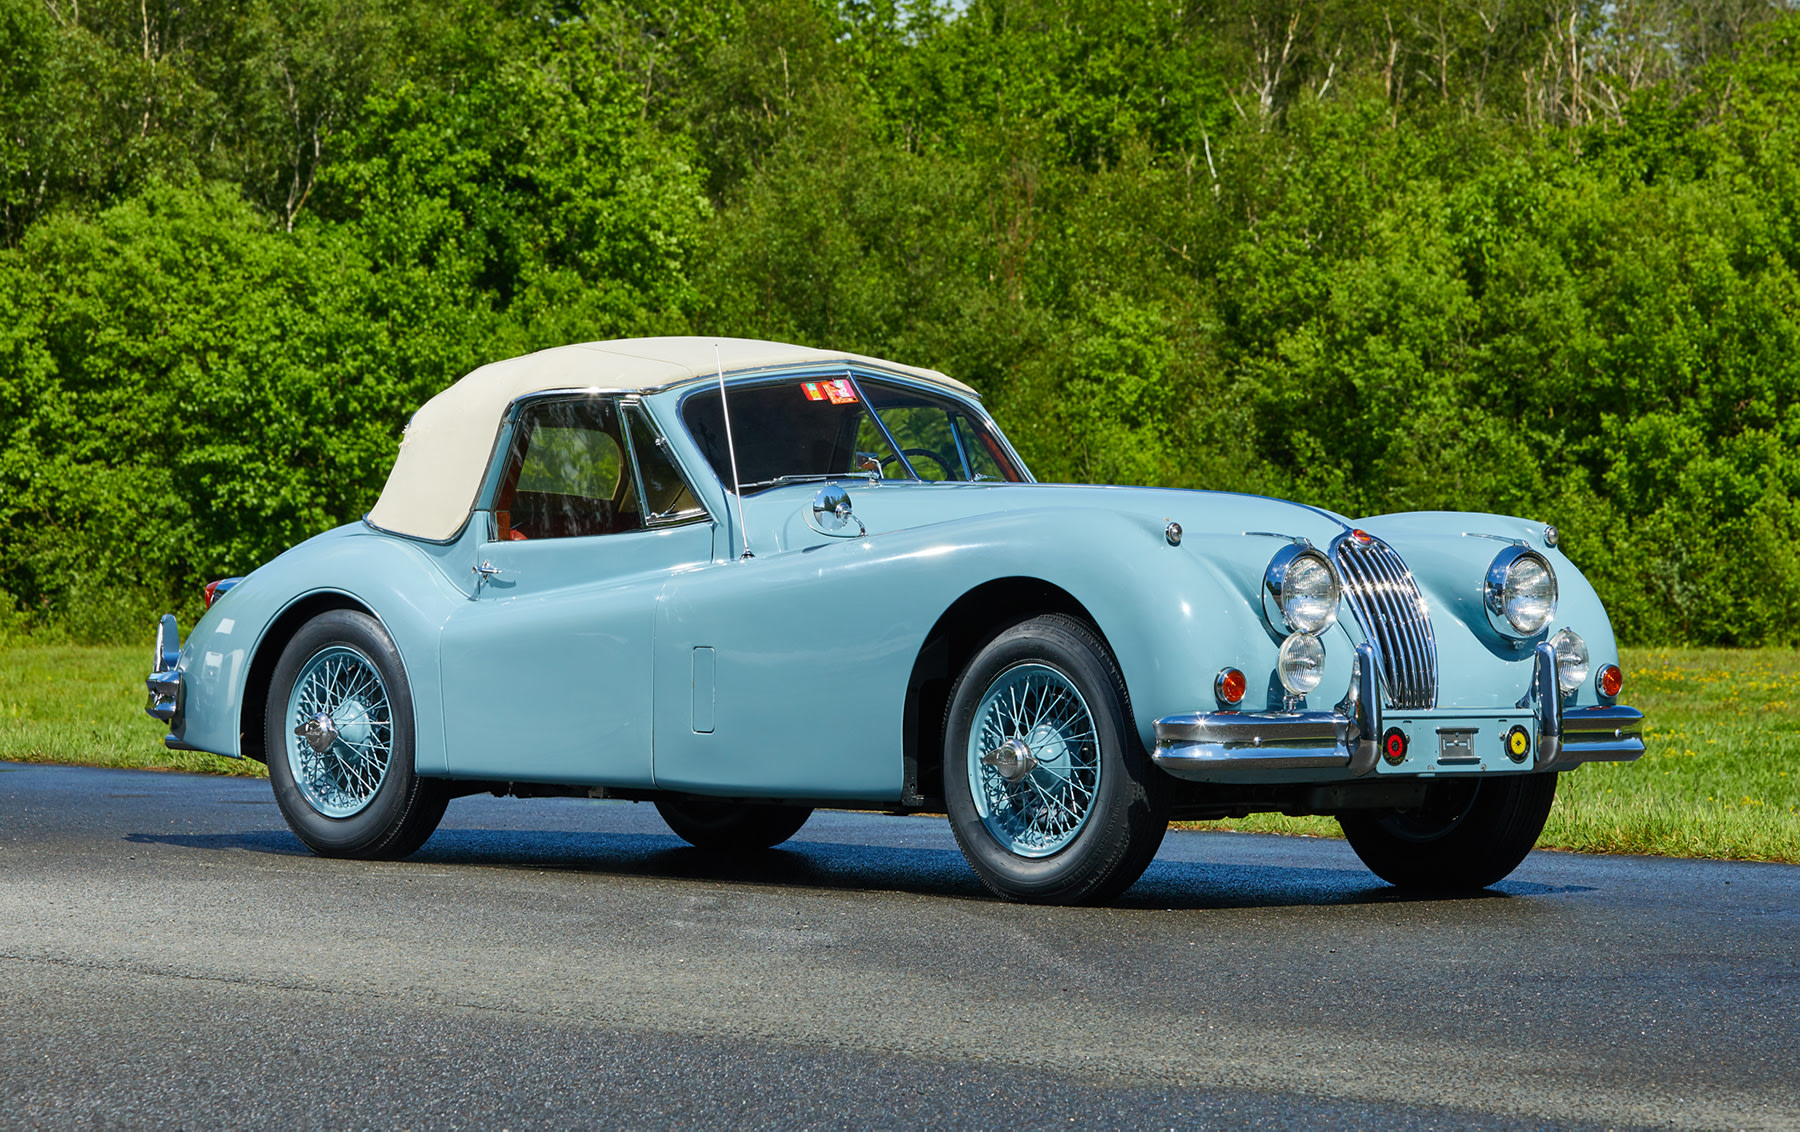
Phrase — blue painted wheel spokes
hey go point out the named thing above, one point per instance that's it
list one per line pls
(341, 733)
(1034, 760)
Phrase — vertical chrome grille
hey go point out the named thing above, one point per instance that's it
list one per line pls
(1391, 611)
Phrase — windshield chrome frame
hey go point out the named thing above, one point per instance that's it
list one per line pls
(971, 407)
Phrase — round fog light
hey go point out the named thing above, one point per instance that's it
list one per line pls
(1571, 660)
(1301, 664)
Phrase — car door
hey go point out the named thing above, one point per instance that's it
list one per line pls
(547, 668)
(785, 674)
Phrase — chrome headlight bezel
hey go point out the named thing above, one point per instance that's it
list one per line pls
(1278, 594)
(1496, 598)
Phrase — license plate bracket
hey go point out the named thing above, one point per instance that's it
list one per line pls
(1456, 745)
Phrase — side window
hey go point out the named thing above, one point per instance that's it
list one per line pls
(666, 494)
(567, 475)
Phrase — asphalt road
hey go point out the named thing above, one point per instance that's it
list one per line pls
(171, 955)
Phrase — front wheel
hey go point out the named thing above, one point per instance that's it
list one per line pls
(339, 737)
(708, 824)
(1051, 795)
(1469, 834)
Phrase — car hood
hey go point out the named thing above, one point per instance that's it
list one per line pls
(779, 517)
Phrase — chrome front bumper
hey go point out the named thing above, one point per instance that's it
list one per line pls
(1244, 747)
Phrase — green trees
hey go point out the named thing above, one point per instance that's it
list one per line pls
(1539, 260)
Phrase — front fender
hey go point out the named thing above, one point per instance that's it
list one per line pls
(1174, 615)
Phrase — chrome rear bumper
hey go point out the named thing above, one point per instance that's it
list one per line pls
(1230, 746)
(164, 682)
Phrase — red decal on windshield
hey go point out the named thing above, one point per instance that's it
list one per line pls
(812, 390)
(841, 392)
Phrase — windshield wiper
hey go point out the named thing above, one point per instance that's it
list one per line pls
(778, 481)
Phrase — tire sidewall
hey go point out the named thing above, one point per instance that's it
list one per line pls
(1494, 836)
(1083, 869)
(722, 825)
(368, 831)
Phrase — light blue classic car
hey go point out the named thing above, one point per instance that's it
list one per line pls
(741, 580)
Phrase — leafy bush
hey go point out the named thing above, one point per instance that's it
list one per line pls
(1374, 263)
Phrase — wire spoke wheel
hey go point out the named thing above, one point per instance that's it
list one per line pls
(1034, 760)
(340, 731)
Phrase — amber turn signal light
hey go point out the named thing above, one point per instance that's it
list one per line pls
(1611, 680)
(1230, 686)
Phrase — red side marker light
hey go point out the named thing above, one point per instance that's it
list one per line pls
(212, 591)
(1611, 681)
(1230, 686)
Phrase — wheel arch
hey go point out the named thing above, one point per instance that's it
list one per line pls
(969, 623)
(268, 654)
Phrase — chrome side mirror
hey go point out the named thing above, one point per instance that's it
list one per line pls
(832, 513)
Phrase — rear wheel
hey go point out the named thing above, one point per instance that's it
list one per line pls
(339, 733)
(1051, 795)
(1470, 833)
(707, 824)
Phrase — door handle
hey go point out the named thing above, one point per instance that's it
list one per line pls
(485, 572)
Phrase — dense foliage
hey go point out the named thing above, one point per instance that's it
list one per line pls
(1534, 257)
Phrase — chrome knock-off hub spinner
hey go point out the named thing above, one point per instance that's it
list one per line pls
(319, 732)
(1013, 759)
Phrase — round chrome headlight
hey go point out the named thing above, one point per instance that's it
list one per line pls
(1520, 593)
(1571, 660)
(1300, 591)
(1301, 663)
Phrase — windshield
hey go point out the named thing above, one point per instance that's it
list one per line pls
(824, 428)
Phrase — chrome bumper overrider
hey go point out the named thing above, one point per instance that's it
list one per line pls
(1230, 746)
(164, 683)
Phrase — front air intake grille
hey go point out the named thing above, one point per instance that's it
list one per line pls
(1391, 611)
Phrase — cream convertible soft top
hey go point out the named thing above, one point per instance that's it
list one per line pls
(444, 452)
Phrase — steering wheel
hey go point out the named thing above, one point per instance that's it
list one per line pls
(943, 464)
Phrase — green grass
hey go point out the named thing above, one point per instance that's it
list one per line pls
(1721, 779)
(85, 704)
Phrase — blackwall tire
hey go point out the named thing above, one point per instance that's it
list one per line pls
(1083, 818)
(358, 796)
(1472, 833)
(707, 824)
